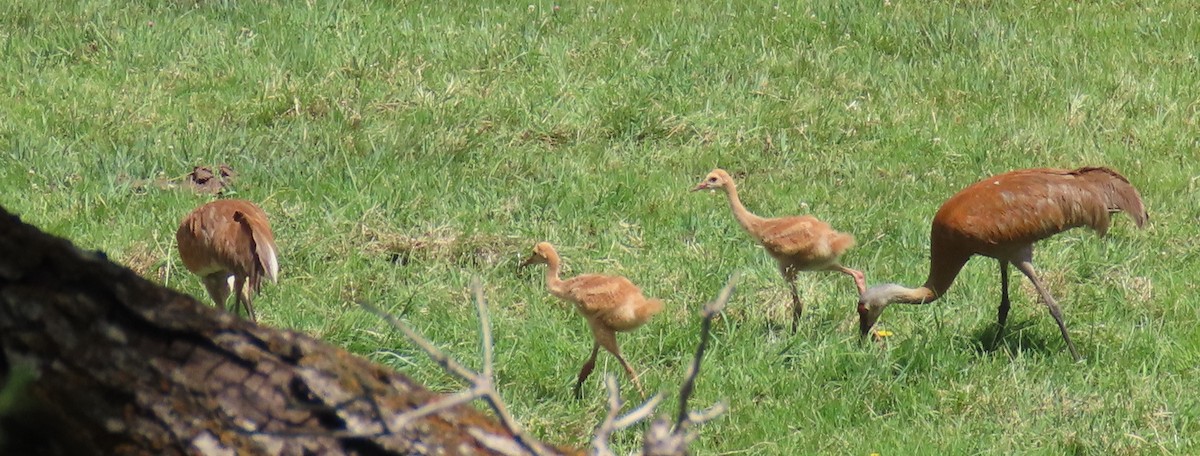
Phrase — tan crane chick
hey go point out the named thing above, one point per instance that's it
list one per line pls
(1002, 217)
(229, 244)
(608, 303)
(797, 243)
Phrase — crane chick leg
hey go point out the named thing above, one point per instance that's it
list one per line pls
(608, 339)
(586, 370)
(1027, 268)
(797, 306)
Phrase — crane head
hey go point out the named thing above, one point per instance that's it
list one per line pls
(541, 254)
(871, 305)
(715, 179)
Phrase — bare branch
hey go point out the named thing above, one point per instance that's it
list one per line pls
(661, 439)
(709, 312)
(639, 413)
(439, 357)
(607, 427)
(706, 415)
(482, 384)
(611, 423)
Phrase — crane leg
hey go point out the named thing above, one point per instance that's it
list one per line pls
(1002, 311)
(586, 370)
(217, 285)
(243, 297)
(1026, 267)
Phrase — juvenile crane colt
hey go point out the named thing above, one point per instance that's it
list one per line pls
(608, 303)
(798, 243)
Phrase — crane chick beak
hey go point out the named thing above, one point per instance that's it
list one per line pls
(700, 186)
(527, 262)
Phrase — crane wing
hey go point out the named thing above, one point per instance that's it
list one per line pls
(1029, 205)
(597, 292)
(791, 235)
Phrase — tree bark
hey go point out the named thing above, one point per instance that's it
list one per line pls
(117, 364)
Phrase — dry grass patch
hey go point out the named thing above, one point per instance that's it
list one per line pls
(441, 244)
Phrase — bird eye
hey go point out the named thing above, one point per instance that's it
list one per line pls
(713, 179)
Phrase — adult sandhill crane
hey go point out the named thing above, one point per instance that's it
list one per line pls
(798, 243)
(608, 303)
(1002, 217)
(229, 244)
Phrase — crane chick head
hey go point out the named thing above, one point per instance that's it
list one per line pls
(542, 252)
(871, 305)
(715, 179)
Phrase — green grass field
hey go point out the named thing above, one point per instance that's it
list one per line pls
(403, 147)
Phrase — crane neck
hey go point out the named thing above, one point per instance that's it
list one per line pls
(944, 266)
(743, 216)
(553, 268)
(920, 295)
(946, 260)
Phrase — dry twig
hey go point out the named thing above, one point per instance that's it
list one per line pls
(662, 438)
(482, 385)
(611, 424)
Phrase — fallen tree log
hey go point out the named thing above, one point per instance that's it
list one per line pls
(101, 361)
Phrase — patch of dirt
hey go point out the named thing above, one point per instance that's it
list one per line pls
(143, 260)
(202, 179)
(441, 244)
(1135, 288)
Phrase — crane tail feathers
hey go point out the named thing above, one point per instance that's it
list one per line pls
(266, 260)
(1119, 195)
(267, 256)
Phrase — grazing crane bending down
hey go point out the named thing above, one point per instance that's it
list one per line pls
(608, 303)
(228, 243)
(800, 243)
(1002, 217)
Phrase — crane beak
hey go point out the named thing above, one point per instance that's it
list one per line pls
(866, 319)
(700, 186)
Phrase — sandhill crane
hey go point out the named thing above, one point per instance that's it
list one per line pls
(1002, 217)
(229, 244)
(798, 243)
(608, 303)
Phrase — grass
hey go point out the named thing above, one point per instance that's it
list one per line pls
(403, 147)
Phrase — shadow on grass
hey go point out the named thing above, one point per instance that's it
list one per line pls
(1018, 338)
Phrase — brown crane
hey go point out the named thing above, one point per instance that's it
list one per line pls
(608, 303)
(229, 244)
(798, 243)
(1002, 217)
